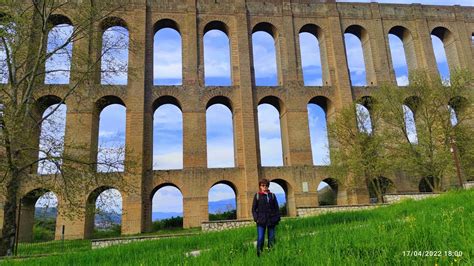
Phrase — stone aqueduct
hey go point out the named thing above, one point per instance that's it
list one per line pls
(284, 20)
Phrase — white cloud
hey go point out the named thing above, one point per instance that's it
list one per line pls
(264, 55)
(216, 54)
(166, 161)
(167, 56)
(221, 192)
(402, 81)
(167, 199)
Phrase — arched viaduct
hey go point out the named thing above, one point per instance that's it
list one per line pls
(284, 20)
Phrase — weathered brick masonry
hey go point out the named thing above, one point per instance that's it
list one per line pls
(284, 20)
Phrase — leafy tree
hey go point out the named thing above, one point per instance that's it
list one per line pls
(25, 27)
(444, 131)
(359, 155)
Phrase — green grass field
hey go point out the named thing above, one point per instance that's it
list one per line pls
(437, 231)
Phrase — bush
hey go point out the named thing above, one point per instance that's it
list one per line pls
(115, 230)
(227, 215)
(43, 230)
(173, 222)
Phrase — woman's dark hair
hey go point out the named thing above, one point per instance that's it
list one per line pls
(263, 181)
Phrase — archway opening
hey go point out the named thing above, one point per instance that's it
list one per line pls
(220, 136)
(428, 184)
(167, 208)
(104, 213)
(310, 59)
(58, 65)
(328, 192)
(357, 54)
(168, 137)
(114, 60)
(264, 55)
(222, 203)
(410, 125)
(51, 139)
(280, 188)
(217, 70)
(378, 187)
(399, 59)
(318, 130)
(38, 215)
(111, 139)
(269, 131)
(364, 122)
(167, 55)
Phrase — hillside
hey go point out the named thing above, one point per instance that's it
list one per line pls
(433, 231)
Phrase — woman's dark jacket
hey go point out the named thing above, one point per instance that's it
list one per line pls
(265, 209)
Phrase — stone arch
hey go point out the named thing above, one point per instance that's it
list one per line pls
(408, 46)
(232, 214)
(91, 211)
(270, 29)
(43, 102)
(27, 213)
(216, 25)
(459, 104)
(449, 42)
(166, 23)
(289, 195)
(57, 19)
(220, 41)
(428, 184)
(112, 22)
(328, 191)
(362, 34)
(153, 194)
(167, 135)
(318, 33)
(172, 31)
(319, 135)
(166, 99)
(378, 187)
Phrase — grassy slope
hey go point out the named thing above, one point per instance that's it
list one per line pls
(376, 237)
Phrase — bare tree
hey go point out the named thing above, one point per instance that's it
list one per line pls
(32, 52)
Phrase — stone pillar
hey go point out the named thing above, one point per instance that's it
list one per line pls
(73, 222)
(137, 153)
(27, 219)
(295, 135)
(422, 39)
(293, 117)
(194, 118)
(379, 44)
(245, 115)
(195, 200)
(338, 69)
(463, 45)
(81, 117)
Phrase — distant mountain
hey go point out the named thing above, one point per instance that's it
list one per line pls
(105, 218)
(165, 215)
(46, 213)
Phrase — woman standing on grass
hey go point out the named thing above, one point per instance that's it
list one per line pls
(266, 214)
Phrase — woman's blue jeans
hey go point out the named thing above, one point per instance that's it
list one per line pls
(261, 236)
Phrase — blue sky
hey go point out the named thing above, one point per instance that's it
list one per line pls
(167, 125)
